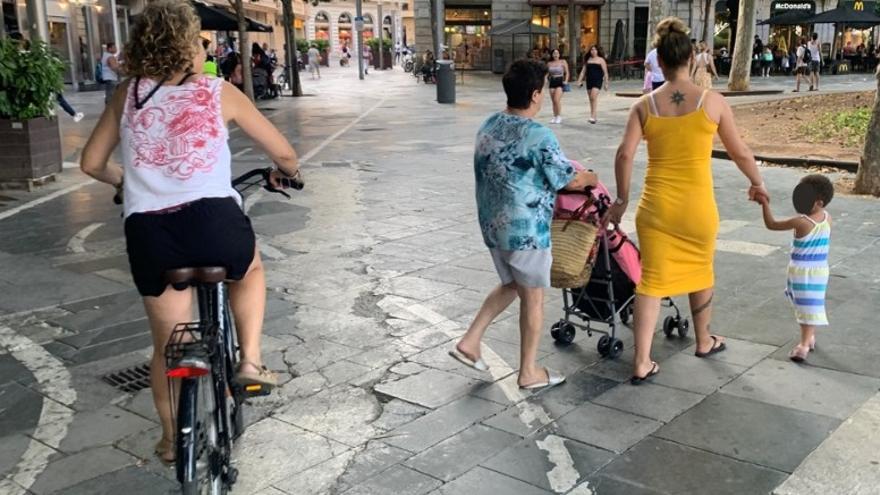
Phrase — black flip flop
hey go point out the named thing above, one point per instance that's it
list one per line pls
(714, 350)
(637, 380)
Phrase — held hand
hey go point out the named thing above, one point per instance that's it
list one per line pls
(758, 191)
(615, 214)
(276, 176)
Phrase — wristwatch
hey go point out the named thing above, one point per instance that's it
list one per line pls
(619, 201)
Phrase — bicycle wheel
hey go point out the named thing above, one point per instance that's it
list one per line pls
(200, 457)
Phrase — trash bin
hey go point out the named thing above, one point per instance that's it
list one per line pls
(445, 81)
(498, 65)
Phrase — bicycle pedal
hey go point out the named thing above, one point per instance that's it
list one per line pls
(256, 390)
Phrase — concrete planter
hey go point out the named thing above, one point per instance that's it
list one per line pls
(31, 150)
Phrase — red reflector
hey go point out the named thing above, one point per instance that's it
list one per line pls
(186, 372)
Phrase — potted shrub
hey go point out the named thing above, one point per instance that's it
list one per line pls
(324, 50)
(387, 59)
(30, 142)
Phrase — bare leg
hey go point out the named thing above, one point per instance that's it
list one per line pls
(701, 312)
(808, 336)
(248, 301)
(594, 103)
(531, 318)
(556, 98)
(646, 312)
(497, 301)
(164, 312)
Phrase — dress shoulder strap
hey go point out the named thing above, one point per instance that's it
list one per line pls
(813, 221)
(653, 103)
(702, 97)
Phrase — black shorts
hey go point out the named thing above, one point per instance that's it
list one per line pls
(594, 83)
(557, 82)
(207, 232)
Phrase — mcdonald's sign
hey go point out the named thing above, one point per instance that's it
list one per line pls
(858, 6)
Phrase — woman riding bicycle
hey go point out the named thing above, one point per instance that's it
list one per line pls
(180, 208)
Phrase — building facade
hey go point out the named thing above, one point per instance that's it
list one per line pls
(334, 22)
(621, 27)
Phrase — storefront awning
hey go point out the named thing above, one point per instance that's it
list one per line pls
(564, 3)
(512, 28)
(788, 19)
(852, 13)
(219, 19)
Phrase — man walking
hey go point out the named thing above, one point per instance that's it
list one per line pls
(519, 167)
(815, 62)
(314, 61)
(802, 64)
(109, 71)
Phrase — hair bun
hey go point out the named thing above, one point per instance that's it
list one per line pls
(671, 25)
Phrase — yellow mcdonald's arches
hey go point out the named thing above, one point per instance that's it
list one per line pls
(859, 5)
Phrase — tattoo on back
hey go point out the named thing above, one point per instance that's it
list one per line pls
(703, 307)
(677, 98)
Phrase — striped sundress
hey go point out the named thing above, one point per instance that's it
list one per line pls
(808, 273)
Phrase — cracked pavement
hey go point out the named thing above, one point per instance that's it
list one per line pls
(372, 272)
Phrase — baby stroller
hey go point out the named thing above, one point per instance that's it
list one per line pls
(608, 296)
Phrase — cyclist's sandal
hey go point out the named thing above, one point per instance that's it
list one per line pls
(165, 452)
(260, 381)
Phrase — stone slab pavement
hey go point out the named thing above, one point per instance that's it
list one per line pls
(373, 270)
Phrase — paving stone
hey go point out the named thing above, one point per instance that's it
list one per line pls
(739, 352)
(112, 348)
(687, 470)
(540, 409)
(480, 481)
(385, 355)
(551, 462)
(11, 449)
(316, 354)
(119, 262)
(407, 368)
(602, 485)
(649, 400)
(504, 391)
(857, 359)
(430, 388)
(108, 334)
(99, 312)
(397, 413)
(604, 427)
(303, 386)
(438, 358)
(20, 410)
(846, 462)
(399, 480)
(725, 425)
(343, 371)
(461, 303)
(320, 479)
(820, 391)
(420, 289)
(271, 450)
(12, 370)
(100, 427)
(702, 376)
(442, 423)
(341, 413)
(86, 465)
(456, 455)
(131, 481)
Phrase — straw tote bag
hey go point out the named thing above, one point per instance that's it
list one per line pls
(573, 240)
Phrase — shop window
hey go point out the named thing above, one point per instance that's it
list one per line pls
(640, 32)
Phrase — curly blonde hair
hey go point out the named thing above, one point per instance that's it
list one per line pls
(164, 40)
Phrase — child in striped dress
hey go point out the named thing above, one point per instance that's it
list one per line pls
(808, 268)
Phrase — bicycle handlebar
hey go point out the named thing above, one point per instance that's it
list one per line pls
(289, 182)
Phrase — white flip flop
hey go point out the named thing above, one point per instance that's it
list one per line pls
(553, 378)
(478, 365)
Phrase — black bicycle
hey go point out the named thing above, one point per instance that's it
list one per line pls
(203, 355)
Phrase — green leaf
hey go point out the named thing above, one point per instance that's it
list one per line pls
(30, 79)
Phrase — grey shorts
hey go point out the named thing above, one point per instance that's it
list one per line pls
(529, 268)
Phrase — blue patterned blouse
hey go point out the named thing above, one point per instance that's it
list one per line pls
(519, 166)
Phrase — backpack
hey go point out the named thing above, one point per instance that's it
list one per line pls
(99, 72)
(808, 56)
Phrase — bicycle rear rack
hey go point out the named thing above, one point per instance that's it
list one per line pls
(189, 350)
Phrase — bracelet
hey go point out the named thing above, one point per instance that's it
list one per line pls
(758, 185)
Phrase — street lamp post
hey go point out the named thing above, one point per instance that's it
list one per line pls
(359, 27)
(38, 22)
(381, 36)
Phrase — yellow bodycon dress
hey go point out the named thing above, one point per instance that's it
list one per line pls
(677, 219)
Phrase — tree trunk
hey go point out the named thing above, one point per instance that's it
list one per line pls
(868, 176)
(709, 23)
(741, 65)
(244, 48)
(659, 11)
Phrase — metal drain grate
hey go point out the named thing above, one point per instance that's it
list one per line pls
(130, 380)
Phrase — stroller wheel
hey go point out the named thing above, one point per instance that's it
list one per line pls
(669, 326)
(563, 332)
(604, 345)
(616, 348)
(683, 327)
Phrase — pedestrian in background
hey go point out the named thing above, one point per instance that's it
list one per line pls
(802, 64)
(815, 61)
(704, 67)
(559, 77)
(314, 61)
(109, 71)
(595, 72)
(519, 167)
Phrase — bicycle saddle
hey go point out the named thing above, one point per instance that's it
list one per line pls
(183, 277)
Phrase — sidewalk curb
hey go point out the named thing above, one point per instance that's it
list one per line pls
(852, 167)
(757, 92)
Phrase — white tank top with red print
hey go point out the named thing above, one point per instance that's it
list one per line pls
(174, 148)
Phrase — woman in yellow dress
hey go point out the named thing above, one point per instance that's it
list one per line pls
(704, 67)
(677, 219)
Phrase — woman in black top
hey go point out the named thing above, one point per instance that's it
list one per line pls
(595, 72)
